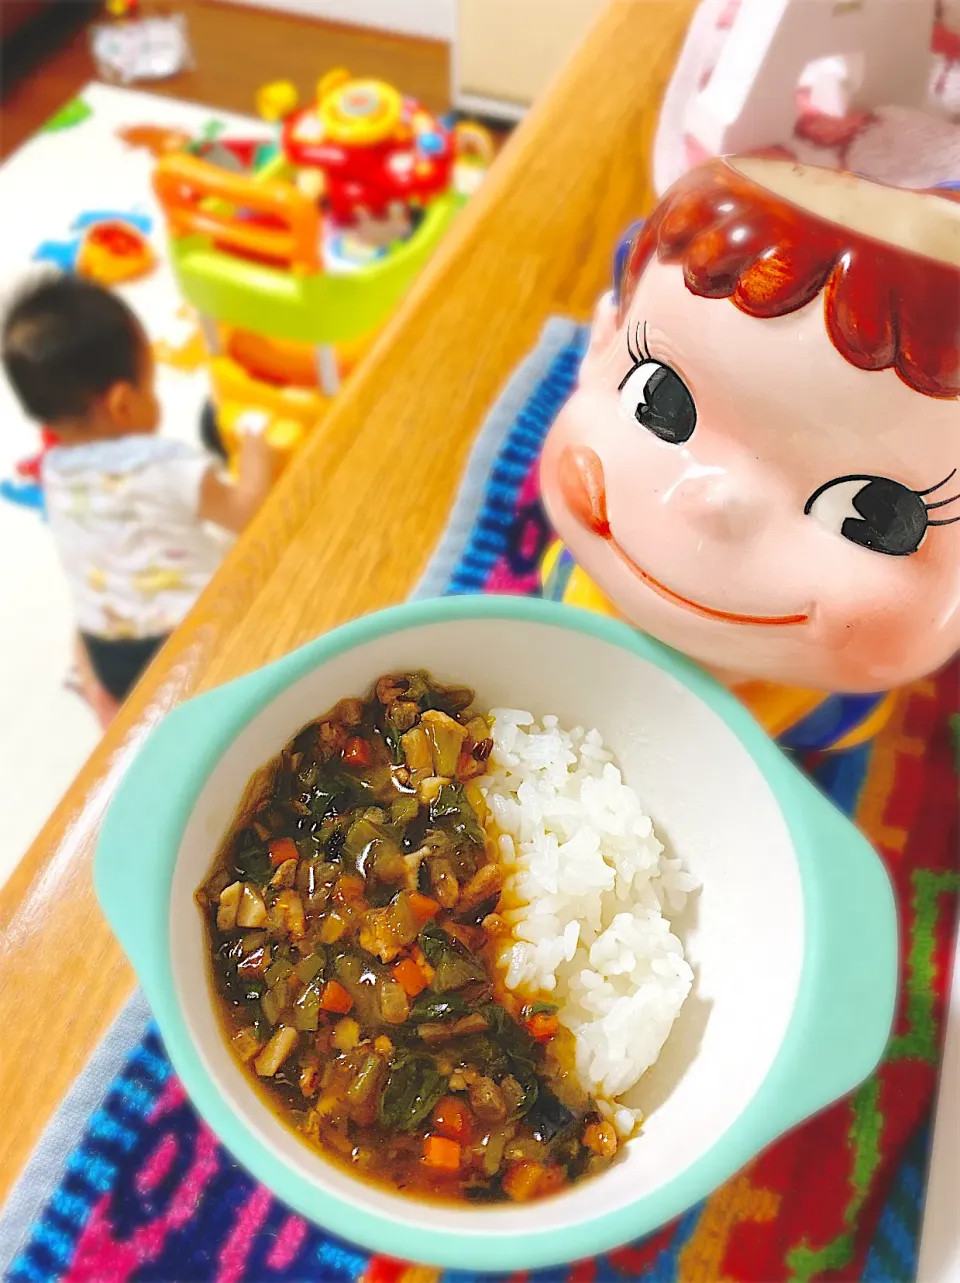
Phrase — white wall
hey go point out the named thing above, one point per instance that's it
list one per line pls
(433, 19)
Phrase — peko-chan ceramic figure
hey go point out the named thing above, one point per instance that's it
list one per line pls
(759, 465)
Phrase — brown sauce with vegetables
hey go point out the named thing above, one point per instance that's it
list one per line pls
(350, 918)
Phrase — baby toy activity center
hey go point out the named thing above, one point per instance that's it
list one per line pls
(294, 267)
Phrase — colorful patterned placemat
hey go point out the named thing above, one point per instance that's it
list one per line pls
(127, 1183)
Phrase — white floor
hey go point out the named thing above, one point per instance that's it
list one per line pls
(46, 732)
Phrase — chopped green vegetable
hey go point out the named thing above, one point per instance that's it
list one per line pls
(365, 1083)
(514, 1039)
(270, 1006)
(278, 970)
(403, 809)
(416, 830)
(309, 775)
(306, 1009)
(548, 1117)
(485, 1055)
(307, 968)
(434, 1006)
(453, 964)
(413, 1088)
(337, 791)
(334, 846)
(281, 993)
(544, 1009)
(530, 1083)
(451, 700)
(391, 737)
(452, 812)
(417, 686)
(253, 861)
(381, 895)
(359, 836)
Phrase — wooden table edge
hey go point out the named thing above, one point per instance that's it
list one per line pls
(82, 988)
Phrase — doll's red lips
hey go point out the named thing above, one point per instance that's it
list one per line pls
(708, 612)
(580, 475)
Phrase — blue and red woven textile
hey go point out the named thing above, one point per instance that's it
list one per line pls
(135, 1187)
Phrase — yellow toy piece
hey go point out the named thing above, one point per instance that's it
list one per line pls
(358, 113)
(285, 435)
(330, 81)
(285, 414)
(114, 251)
(473, 142)
(277, 100)
(474, 155)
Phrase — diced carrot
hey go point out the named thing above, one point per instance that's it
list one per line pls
(349, 888)
(553, 1178)
(522, 1181)
(422, 906)
(440, 1153)
(420, 959)
(357, 752)
(542, 1026)
(452, 1118)
(335, 998)
(281, 850)
(601, 1138)
(410, 977)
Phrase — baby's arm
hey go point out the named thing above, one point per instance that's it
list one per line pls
(232, 504)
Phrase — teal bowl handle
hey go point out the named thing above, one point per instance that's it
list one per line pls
(848, 991)
(842, 1012)
(132, 868)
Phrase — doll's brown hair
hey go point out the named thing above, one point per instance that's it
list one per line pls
(884, 307)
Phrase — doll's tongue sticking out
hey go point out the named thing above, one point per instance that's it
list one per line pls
(582, 485)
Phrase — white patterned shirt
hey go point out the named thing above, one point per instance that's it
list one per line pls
(124, 516)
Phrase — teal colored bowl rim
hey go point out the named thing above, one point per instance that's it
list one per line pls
(837, 1032)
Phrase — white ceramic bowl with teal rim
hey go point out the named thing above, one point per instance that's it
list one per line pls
(793, 936)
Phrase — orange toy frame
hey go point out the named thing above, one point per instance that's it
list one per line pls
(188, 189)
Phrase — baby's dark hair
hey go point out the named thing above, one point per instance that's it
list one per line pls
(65, 341)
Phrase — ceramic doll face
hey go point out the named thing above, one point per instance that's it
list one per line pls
(743, 492)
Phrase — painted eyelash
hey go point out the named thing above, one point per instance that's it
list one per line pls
(641, 352)
(638, 351)
(941, 503)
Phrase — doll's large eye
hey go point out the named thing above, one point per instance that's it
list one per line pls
(874, 512)
(659, 399)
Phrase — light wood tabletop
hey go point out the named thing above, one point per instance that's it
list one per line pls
(351, 524)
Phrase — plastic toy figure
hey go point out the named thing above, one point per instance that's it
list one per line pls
(376, 152)
(759, 466)
(288, 298)
(114, 251)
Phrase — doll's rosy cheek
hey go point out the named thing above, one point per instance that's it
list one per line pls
(887, 642)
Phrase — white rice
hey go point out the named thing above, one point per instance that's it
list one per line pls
(592, 883)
